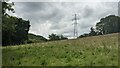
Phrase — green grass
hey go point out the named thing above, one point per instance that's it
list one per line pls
(89, 51)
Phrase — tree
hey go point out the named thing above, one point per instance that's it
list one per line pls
(63, 38)
(14, 30)
(109, 24)
(7, 6)
(56, 37)
(53, 37)
(92, 32)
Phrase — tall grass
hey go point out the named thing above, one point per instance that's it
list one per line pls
(90, 51)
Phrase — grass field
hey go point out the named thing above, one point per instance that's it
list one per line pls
(89, 51)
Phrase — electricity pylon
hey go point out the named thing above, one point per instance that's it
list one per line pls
(75, 26)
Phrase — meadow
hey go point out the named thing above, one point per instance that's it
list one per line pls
(89, 51)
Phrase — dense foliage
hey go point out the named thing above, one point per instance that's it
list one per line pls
(7, 6)
(14, 30)
(109, 24)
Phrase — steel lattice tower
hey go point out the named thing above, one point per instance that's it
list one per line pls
(75, 26)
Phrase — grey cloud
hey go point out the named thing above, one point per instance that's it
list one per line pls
(41, 11)
(59, 15)
(58, 26)
(31, 6)
(88, 12)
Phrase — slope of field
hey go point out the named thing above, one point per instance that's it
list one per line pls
(89, 51)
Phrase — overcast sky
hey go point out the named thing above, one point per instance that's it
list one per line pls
(56, 17)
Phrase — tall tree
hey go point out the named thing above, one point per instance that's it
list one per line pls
(14, 30)
(109, 24)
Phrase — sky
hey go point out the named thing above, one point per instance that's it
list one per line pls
(47, 17)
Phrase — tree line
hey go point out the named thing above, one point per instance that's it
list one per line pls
(53, 37)
(107, 25)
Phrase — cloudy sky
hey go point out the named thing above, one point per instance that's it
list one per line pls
(56, 17)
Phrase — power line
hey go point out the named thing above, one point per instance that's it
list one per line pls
(75, 26)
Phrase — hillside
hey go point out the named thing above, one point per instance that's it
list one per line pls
(36, 38)
(90, 51)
